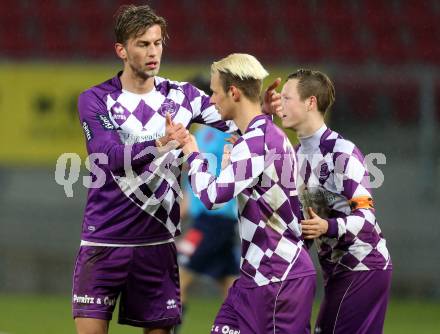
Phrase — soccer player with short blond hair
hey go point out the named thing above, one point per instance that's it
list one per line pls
(275, 290)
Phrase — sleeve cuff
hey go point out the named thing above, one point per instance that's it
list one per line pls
(332, 231)
(192, 156)
(146, 144)
(148, 148)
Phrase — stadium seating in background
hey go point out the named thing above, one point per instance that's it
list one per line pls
(354, 32)
(285, 31)
(303, 40)
(404, 98)
(15, 41)
(180, 29)
(360, 98)
(346, 37)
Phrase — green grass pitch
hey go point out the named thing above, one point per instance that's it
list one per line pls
(38, 314)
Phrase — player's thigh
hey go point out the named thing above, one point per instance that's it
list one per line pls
(91, 326)
(247, 310)
(282, 307)
(99, 274)
(368, 290)
(293, 305)
(335, 291)
(226, 320)
(151, 298)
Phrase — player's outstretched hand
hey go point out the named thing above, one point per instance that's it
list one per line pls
(272, 99)
(314, 227)
(190, 145)
(175, 133)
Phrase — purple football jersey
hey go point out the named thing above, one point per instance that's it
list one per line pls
(139, 200)
(331, 173)
(261, 177)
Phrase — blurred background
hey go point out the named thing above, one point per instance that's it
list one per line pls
(383, 56)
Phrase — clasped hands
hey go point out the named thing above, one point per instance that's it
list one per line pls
(176, 136)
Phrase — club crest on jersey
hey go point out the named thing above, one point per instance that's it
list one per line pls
(323, 173)
(168, 106)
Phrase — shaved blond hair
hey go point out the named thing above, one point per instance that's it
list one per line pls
(241, 65)
(243, 71)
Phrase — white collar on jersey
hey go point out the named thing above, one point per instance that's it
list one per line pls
(311, 142)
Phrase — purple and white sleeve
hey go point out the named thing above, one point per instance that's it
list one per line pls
(102, 137)
(352, 179)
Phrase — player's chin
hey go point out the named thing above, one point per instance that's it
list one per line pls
(223, 116)
(152, 73)
(285, 122)
(226, 118)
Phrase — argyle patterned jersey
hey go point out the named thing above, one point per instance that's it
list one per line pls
(135, 194)
(261, 176)
(331, 173)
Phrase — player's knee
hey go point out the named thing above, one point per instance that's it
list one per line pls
(168, 330)
(91, 331)
(91, 326)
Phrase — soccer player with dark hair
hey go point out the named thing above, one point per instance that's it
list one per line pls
(337, 202)
(275, 290)
(134, 124)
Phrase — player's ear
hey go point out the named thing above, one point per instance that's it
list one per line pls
(120, 51)
(312, 102)
(235, 93)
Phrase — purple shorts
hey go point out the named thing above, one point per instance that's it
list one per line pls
(146, 278)
(283, 308)
(354, 302)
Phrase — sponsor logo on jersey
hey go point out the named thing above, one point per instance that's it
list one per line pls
(171, 303)
(83, 299)
(225, 329)
(86, 299)
(87, 131)
(118, 110)
(118, 113)
(129, 138)
(105, 122)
